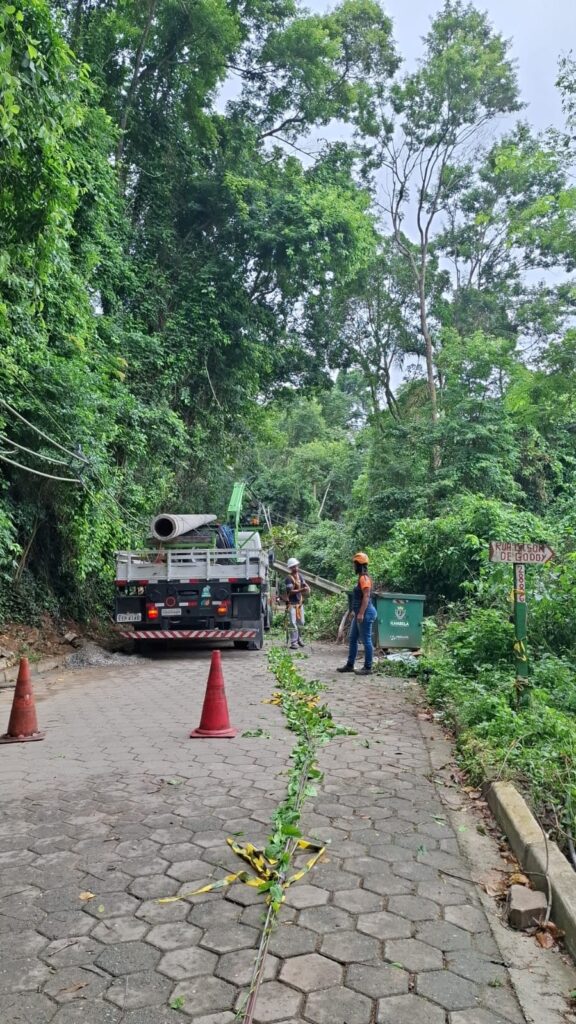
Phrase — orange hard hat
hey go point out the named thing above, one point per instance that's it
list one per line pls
(361, 558)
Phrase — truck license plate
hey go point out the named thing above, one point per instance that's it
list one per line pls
(170, 611)
(129, 617)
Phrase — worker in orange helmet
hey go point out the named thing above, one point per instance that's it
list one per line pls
(364, 613)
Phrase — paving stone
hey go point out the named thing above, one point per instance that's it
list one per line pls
(376, 982)
(477, 967)
(290, 940)
(358, 901)
(275, 1002)
(117, 904)
(21, 975)
(414, 955)
(301, 896)
(238, 967)
(483, 942)
(80, 1012)
(227, 1017)
(325, 919)
(448, 989)
(472, 919)
(329, 877)
(384, 925)
(244, 895)
(120, 929)
(153, 1015)
(204, 995)
(338, 1006)
(127, 958)
(416, 872)
(115, 881)
(387, 885)
(28, 943)
(225, 938)
(71, 983)
(443, 935)
(311, 972)
(154, 887)
(140, 866)
(478, 1016)
(173, 935)
(160, 913)
(210, 913)
(187, 963)
(414, 908)
(501, 1001)
(189, 870)
(442, 893)
(27, 1008)
(350, 947)
(72, 952)
(255, 916)
(135, 991)
(409, 1009)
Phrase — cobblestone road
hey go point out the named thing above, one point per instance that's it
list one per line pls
(117, 802)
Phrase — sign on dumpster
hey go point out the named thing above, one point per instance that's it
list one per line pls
(520, 554)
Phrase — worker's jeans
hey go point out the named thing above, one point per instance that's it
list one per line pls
(363, 629)
(296, 616)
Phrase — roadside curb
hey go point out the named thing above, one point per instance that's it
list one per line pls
(38, 668)
(541, 859)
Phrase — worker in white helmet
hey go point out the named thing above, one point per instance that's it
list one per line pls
(296, 590)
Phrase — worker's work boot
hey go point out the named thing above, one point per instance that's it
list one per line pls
(300, 642)
(345, 668)
(363, 671)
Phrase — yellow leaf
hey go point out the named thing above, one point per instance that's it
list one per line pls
(87, 895)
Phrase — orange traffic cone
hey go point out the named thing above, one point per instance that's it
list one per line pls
(215, 720)
(23, 724)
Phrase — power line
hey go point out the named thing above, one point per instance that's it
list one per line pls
(36, 472)
(37, 455)
(73, 455)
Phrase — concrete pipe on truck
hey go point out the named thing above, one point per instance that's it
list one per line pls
(167, 526)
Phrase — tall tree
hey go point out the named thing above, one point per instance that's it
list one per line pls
(465, 80)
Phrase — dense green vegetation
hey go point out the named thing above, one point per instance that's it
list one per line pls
(377, 332)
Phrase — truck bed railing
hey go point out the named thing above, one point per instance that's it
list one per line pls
(185, 564)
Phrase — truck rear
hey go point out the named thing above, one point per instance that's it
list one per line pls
(176, 591)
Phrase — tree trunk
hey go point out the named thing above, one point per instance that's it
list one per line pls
(134, 81)
(436, 454)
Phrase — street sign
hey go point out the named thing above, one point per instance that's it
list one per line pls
(520, 554)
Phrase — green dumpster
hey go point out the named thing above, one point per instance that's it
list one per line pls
(399, 620)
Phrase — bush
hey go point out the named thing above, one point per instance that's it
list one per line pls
(442, 557)
(466, 675)
(485, 638)
(323, 616)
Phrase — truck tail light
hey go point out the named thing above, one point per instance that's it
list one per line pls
(222, 608)
(152, 611)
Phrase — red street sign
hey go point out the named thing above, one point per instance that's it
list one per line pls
(522, 554)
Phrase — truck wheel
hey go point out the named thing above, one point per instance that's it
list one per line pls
(242, 645)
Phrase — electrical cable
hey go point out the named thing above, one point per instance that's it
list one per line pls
(36, 472)
(38, 455)
(73, 455)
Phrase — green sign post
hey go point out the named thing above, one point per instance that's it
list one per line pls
(520, 555)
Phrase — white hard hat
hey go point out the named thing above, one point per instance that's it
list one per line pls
(292, 562)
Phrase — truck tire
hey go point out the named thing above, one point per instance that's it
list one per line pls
(242, 645)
